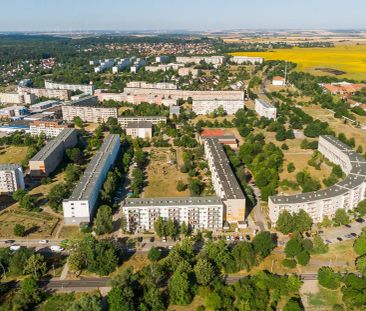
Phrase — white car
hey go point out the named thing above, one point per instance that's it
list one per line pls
(43, 241)
(164, 239)
(56, 248)
(15, 247)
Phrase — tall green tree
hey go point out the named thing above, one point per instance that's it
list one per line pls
(103, 221)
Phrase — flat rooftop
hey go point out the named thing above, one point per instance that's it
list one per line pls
(139, 124)
(183, 201)
(229, 183)
(265, 104)
(9, 167)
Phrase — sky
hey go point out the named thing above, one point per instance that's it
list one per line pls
(199, 15)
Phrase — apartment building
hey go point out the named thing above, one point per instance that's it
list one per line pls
(137, 65)
(51, 155)
(104, 65)
(208, 106)
(345, 194)
(89, 110)
(48, 93)
(163, 67)
(198, 212)
(265, 109)
(186, 71)
(162, 59)
(223, 138)
(49, 128)
(87, 89)
(145, 85)
(247, 60)
(121, 65)
(154, 120)
(214, 60)
(81, 206)
(44, 105)
(13, 112)
(141, 129)
(11, 178)
(224, 181)
(17, 98)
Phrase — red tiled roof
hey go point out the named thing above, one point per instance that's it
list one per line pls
(212, 132)
(278, 78)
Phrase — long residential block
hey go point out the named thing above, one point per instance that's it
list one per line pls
(208, 106)
(51, 155)
(87, 89)
(198, 212)
(343, 195)
(81, 205)
(11, 178)
(224, 181)
(265, 109)
(154, 120)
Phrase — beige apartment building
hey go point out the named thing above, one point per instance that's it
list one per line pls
(11, 178)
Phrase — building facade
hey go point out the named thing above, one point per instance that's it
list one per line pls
(247, 60)
(154, 120)
(87, 89)
(11, 178)
(198, 212)
(13, 112)
(208, 106)
(224, 181)
(48, 93)
(214, 60)
(141, 129)
(80, 207)
(51, 155)
(265, 109)
(49, 128)
(343, 195)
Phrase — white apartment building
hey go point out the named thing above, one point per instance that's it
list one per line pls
(154, 120)
(224, 181)
(49, 93)
(137, 65)
(49, 128)
(208, 106)
(11, 178)
(186, 71)
(247, 60)
(163, 67)
(141, 129)
(345, 194)
(51, 155)
(17, 98)
(145, 85)
(104, 65)
(265, 109)
(121, 65)
(214, 60)
(199, 212)
(87, 89)
(81, 205)
(89, 110)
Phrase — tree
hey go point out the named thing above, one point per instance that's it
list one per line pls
(361, 208)
(19, 230)
(328, 278)
(87, 303)
(341, 217)
(72, 173)
(28, 202)
(78, 122)
(360, 244)
(28, 296)
(160, 227)
(285, 222)
(293, 247)
(56, 195)
(263, 243)
(180, 288)
(195, 187)
(291, 167)
(204, 272)
(103, 220)
(289, 263)
(293, 305)
(74, 155)
(181, 186)
(75, 260)
(154, 254)
(303, 258)
(319, 247)
(35, 265)
(19, 194)
(361, 264)
(302, 221)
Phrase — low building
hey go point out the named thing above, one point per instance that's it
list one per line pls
(224, 181)
(208, 106)
(81, 206)
(343, 195)
(141, 129)
(48, 128)
(13, 112)
(278, 81)
(11, 178)
(43, 105)
(344, 89)
(84, 88)
(247, 60)
(89, 110)
(174, 110)
(52, 154)
(154, 120)
(198, 212)
(265, 109)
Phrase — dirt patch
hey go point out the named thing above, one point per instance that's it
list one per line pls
(331, 71)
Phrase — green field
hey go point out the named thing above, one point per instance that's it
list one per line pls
(350, 59)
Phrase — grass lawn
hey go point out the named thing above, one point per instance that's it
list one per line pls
(323, 299)
(197, 301)
(162, 177)
(347, 58)
(12, 154)
(37, 224)
(337, 125)
(68, 232)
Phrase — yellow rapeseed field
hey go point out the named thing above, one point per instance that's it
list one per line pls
(350, 59)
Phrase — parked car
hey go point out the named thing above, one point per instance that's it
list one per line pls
(56, 248)
(360, 220)
(353, 234)
(43, 241)
(339, 239)
(15, 247)
(164, 239)
(9, 241)
(348, 226)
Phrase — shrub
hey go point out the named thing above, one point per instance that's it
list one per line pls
(289, 263)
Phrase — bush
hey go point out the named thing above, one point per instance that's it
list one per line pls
(19, 230)
(289, 263)
(303, 258)
(328, 278)
(154, 254)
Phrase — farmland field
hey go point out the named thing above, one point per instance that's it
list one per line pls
(350, 59)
